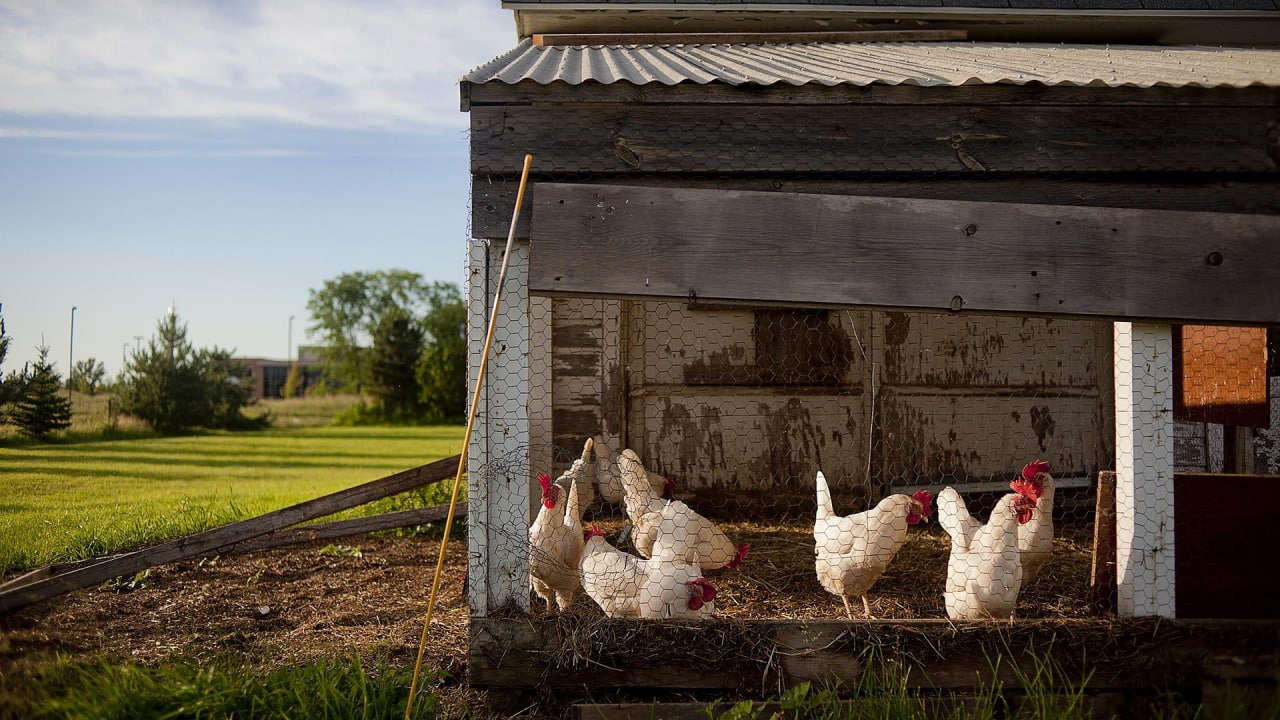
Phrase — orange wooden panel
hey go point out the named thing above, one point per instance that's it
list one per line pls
(1221, 375)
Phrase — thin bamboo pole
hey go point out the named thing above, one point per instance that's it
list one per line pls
(466, 438)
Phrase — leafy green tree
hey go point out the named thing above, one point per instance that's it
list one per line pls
(7, 386)
(397, 348)
(442, 371)
(292, 382)
(174, 387)
(346, 310)
(88, 376)
(43, 405)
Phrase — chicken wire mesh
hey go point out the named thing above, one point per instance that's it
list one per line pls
(661, 442)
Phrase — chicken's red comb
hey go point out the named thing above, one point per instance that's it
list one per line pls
(925, 498)
(1028, 489)
(708, 590)
(594, 531)
(1032, 470)
(738, 557)
(544, 480)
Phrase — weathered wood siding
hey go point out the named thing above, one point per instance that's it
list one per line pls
(757, 399)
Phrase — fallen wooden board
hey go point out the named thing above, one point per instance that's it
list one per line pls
(228, 535)
(277, 538)
(843, 251)
(346, 528)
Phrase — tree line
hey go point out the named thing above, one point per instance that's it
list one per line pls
(397, 338)
(389, 335)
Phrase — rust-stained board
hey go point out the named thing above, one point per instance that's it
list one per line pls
(1225, 532)
(728, 245)
(1221, 375)
(756, 399)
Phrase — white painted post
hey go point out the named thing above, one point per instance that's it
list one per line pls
(498, 462)
(1144, 470)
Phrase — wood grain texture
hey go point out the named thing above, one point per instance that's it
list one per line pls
(492, 198)
(873, 138)
(735, 246)
(764, 655)
(226, 535)
(531, 91)
(1102, 577)
(1223, 529)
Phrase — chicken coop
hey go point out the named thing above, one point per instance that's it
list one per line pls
(913, 249)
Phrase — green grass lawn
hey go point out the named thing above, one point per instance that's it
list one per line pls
(72, 500)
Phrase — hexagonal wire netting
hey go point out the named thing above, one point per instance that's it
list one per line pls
(687, 459)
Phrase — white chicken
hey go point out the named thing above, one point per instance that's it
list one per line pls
(609, 476)
(555, 537)
(662, 527)
(626, 586)
(853, 551)
(984, 571)
(1035, 537)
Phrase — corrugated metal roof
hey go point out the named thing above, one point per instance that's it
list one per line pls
(925, 64)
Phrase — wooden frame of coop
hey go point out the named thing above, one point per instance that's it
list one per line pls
(1131, 201)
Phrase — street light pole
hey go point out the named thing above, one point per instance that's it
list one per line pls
(71, 354)
(290, 357)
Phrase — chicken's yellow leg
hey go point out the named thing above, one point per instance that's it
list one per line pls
(848, 611)
(866, 607)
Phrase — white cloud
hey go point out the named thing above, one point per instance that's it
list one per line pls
(34, 133)
(360, 65)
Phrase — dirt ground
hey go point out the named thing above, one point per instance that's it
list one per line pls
(291, 605)
(274, 607)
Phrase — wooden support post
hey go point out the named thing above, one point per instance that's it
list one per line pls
(499, 455)
(1102, 580)
(1144, 470)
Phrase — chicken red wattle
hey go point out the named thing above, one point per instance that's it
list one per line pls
(1025, 508)
(550, 491)
(593, 531)
(926, 506)
(738, 557)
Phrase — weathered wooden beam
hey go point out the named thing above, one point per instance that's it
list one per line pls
(1102, 577)
(227, 535)
(825, 250)
(713, 38)
(492, 198)
(872, 138)
(755, 655)
(529, 91)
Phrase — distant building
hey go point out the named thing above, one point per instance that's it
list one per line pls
(267, 376)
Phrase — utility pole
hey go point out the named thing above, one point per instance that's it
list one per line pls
(124, 356)
(290, 357)
(71, 354)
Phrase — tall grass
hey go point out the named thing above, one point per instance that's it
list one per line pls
(1044, 690)
(337, 690)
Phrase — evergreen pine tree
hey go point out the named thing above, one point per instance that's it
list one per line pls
(397, 347)
(43, 406)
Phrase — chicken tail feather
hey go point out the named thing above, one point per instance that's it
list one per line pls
(825, 508)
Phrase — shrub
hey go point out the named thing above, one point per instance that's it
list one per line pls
(174, 387)
(41, 406)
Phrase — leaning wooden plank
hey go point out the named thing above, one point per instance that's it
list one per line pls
(276, 538)
(828, 250)
(722, 38)
(210, 540)
(346, 528)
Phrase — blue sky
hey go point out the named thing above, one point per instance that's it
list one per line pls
(225, 157)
